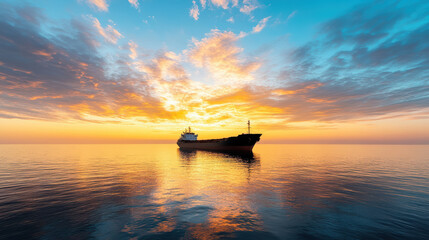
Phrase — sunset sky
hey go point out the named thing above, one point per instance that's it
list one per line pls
(140, 71)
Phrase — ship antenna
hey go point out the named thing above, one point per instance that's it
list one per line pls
(248, 126)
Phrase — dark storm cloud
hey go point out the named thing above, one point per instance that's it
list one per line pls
(49, 77)
(370, 62)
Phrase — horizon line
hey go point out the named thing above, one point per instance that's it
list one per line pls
(267, 143)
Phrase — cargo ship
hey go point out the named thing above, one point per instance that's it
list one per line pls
(242, 142)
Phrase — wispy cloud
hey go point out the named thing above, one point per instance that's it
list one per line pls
(99, 4)
(261, 25)
(133, 49)
(203, 3)
(248, 6)
(291, 15)
(109, 33)
(134, 3)
(194, 11)
(43, 53)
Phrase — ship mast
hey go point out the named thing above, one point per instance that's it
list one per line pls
(248, 126)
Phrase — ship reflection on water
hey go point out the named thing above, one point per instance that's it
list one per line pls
(240, 156)
(160, 192)
(246, 159)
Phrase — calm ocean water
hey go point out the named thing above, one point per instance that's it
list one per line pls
(160, 192)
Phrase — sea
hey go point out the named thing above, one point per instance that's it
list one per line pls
(156, 191)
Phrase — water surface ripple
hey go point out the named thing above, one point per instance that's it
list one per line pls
(160, 192)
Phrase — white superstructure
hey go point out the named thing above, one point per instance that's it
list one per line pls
(188, 135)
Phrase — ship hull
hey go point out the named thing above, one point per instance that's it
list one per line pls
(243, 142)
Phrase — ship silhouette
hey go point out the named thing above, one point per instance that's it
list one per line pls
(242, 142)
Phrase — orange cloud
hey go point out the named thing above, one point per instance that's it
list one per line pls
(21, 70)
(109, 33)
(99, 4)
(164, 66)
(133, 49)
(14, 85)
(300, 88)
(44, 54)
(318, 100)
(41, 97)
(184, 99)
(169, 81)
(219, 54)
(283, 92)
(260, 25)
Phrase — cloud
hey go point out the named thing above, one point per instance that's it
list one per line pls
(179, 95)
(109, 33)
(225, 4)
(165, 66)
(153, 90)
(366, 64)
(63, 77)
(203, 3)
(221, 3)
(43, 53)
(31, 14)
(192, 100)
(99, 4)
(291, 15)
(170, 84)
(248, 6)
(194, 12)
(375, 24)
(231, 20)
(219, 54)
(133, 49)
(359, 67)
(260, 25)
(134, 3)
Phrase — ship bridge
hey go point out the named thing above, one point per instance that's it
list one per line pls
(188, 135)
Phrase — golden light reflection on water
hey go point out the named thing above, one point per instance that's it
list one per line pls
(158, 191)
(224, 186)
(210, 198)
